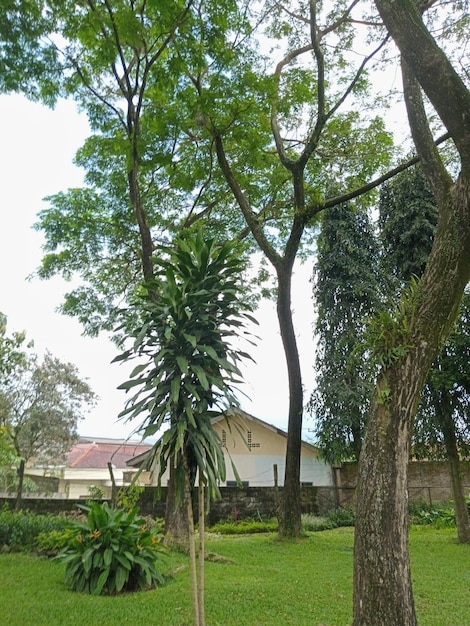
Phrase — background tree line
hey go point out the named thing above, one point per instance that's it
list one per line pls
(42, 400)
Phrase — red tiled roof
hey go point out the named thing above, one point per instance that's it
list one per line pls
(93, 455)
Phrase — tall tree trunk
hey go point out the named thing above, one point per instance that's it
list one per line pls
(19, 493)
(447, 424)
(146, 244)
(176, 515)
(290, 507)
(382, 582)
(114, 490)
(192, 544)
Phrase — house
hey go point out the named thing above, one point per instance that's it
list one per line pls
(258, 450)
(86, 466)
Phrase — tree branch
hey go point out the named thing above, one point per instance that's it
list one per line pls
(250, 217)
(285, 160)
(433, 70)
(335, 201)
(436, 173)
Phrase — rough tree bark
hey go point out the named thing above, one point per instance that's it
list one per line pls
(382, 581)
(176, 516)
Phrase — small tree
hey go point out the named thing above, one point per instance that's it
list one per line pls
(8, 462)
(190, 314)
(12, 349)
(40, 406)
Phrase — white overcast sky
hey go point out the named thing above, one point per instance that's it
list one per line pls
(36, 160)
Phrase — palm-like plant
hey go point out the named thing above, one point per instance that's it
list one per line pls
(190, 314)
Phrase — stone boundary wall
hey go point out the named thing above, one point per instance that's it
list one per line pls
(428, 481)
(236, 502)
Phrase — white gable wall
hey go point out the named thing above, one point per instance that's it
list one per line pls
(258, 470)
(254, 447)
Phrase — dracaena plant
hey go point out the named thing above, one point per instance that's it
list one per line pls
(191, 313)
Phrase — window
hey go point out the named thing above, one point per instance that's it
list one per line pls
(224, 438)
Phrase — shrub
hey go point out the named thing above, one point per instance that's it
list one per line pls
(342, 516)
(129, 497)
(333, 519)
(439, 515)
(310, 523)
(95, 492)
(314, 523)
(113, 551)
(245, 526)
(52, 542)
(414, 510)
(19, 530)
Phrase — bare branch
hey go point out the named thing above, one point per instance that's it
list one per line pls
(285, 160)
(356, 193)
(345, 18)
(249, 215)
(438, 177)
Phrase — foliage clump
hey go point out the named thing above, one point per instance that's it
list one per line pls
(438, 515)
(112, 552)
(20, 530)
(245, 526)
(335, 518)
(50, 543)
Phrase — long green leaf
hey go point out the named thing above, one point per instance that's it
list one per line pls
(201, 374)
(175, 390)
(100, 583)
(182, 363)
(121, 578)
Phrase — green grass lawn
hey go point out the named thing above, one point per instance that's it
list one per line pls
(262, 582)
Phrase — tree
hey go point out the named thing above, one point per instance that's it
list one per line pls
(407, 224)
(28, 63)
(146, 177)
(443, 426)
(302, 137)
(8, 460)
(40, 405)
(346, 292)
(280, 137)
(188, 370)
(408, 342)
(120, 61)
(408, 218)
(12, 348)
(162, 106)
